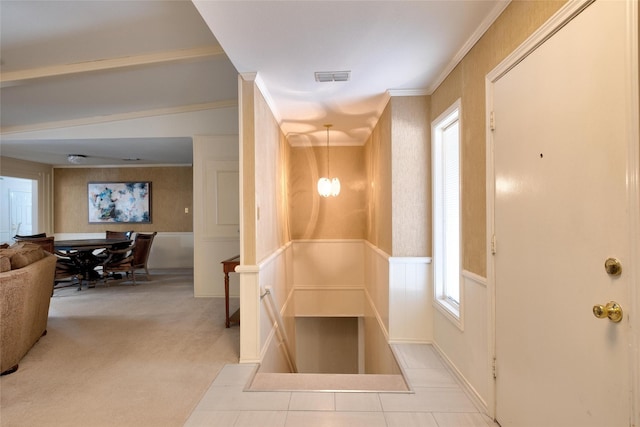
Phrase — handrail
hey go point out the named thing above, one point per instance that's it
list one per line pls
(282, 333)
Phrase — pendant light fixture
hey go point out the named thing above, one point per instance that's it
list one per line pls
(328, 186)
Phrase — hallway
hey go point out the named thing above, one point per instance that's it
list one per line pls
(437, 401)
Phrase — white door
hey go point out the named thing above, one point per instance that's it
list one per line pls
(561, 144)
(20, 213)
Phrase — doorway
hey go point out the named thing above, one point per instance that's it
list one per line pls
(564, 153)
(19, 207)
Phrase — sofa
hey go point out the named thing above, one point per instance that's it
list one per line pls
(26, 283)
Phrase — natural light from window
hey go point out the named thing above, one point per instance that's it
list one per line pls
(446, 215)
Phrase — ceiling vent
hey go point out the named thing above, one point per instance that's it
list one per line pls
(333, 76)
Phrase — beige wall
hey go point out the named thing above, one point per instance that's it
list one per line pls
(469, 350)
(327, 345)
(378, 155)
(411, 176)
(467, 81)
(271, 153)
(171, 193)
(316, 217)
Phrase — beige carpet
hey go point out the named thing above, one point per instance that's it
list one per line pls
(121, 356)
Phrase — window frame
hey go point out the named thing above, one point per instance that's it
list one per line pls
(451, 309)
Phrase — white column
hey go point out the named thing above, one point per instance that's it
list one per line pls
(249, 313)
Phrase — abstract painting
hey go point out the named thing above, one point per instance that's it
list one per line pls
(121, 202)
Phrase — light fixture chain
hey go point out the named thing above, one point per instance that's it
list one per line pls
(328, 168)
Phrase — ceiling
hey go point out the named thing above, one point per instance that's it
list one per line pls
(106, 78)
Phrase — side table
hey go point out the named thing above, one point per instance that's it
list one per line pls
(229, 266)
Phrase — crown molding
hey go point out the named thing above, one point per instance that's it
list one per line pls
(482, 28)
(408, 92)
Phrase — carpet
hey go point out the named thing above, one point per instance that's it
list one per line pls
(122, 355)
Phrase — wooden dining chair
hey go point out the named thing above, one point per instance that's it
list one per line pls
(68, 268)
(47, 243)
(143, 249)
(31, 236)
(109, 234)
(119, 261)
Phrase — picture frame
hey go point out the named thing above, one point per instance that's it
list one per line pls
(119, 202)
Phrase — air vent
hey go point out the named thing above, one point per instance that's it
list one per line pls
(333, 76)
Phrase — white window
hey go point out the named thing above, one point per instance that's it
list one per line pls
(446, 212)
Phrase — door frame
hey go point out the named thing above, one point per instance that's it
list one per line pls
(570, 10)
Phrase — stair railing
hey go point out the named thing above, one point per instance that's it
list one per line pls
(280, 330)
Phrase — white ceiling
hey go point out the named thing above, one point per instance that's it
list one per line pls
(74, 64)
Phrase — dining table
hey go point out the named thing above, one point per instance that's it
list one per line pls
(87, 260)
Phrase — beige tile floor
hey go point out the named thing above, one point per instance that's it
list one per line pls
(437, 401)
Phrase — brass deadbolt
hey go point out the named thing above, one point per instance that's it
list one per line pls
(613, 267)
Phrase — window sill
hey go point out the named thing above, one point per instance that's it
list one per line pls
(450, 312)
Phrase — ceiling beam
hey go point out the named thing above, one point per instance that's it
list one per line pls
(85, 121)
(11, 78)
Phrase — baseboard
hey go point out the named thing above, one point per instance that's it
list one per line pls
(471, 392)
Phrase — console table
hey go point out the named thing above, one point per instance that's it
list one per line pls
(229, 266)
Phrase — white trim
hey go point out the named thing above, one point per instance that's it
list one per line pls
(490, 229)
(541, 35)
(218, 239)
(372, 305)
(633, 189)
(451, 311)
(328, 240)
(482, 28)
(275, 254)
(328, 288)
(475, 278)
(408, 92)
(152, 165)
(244, 268)
(382, 254)
(471, 392)
(410, 260)
(262, 87)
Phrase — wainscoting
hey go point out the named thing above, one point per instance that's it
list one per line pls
(350, 278)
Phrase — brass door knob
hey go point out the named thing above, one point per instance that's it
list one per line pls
(612, 310)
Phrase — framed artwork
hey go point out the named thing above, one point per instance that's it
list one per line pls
(119, 202)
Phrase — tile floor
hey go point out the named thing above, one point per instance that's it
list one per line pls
(437, 401)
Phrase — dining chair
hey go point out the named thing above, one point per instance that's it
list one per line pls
(110, 234)
(119, 261)
(143, 249)
(118, 234)
(41, 240)
(30, 236)
(68, 269)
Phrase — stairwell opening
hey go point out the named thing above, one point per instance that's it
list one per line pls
(335, 354)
